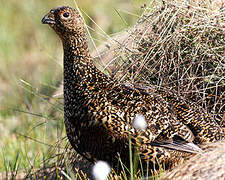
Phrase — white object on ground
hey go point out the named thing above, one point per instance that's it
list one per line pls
(101, 170)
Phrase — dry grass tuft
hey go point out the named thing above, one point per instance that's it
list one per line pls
(209, 165)
(178, 46)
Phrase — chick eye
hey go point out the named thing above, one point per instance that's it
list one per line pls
(66, 14)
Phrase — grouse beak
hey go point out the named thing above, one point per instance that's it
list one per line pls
(48, 19)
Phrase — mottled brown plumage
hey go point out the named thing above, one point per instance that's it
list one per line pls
(99, 112)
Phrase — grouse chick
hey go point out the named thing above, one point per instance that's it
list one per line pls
(99, 111)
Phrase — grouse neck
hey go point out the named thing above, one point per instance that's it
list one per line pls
(76, 48)
(79, 66)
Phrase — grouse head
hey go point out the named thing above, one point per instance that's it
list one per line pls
(65, 20)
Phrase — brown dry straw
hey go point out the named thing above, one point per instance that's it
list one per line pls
(178, 46)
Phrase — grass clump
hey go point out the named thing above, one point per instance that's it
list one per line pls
(178, 46)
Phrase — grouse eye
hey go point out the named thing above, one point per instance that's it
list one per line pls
(66, 14)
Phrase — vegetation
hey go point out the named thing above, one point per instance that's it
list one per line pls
(178, 46)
